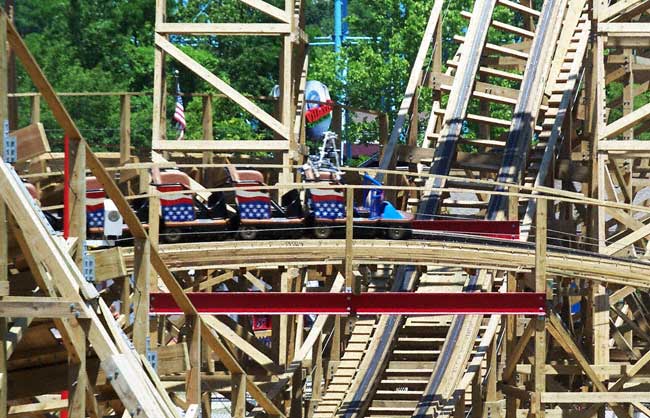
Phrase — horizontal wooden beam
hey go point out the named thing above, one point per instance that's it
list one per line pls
(595, 397)
(627, 146)
(39, 307)
(221, 146)
(40, 408)
(241, 29)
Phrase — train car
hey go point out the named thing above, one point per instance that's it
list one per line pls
(257, 213)
(182, 214)
(103, 219)
(375, 215)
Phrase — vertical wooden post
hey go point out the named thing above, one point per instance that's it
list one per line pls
(125, 297)
(539, 365)
(383, 128)
(337, 121)
(477, 401)
(154, 230)
(415, 119)
(283, 328)
(598, 298)
(334, 357)
(628, 91)
(238, 396)
(491, 384)
(511, 320)
(142, 274)
(125, 129)
(316, 376)
(36, 108)
(459, 408)
(208, 133)
(296, 396)
(4, 234)
(77, 377)
(287, 97)
(193, 380)
(351, 282)
(158, 128)
(206, 124)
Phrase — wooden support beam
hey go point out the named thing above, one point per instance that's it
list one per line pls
(238, 396)
(39, 307)
(415, 79)
(159, 126)
(125, 129)
(142, 274)
(626, 122)
(241, 29)
(458, 102)
(193, 379)
(222, 86)
(4, 225)
(31, 142)
(350, 279)
(557, 330)
(269, 9)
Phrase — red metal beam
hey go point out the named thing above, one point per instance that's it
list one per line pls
(389, 303)
(490, 229)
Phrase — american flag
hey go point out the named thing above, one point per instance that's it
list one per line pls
(179, 113)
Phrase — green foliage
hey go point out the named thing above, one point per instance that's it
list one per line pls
(95, 45)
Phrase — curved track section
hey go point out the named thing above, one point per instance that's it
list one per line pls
(486, 253)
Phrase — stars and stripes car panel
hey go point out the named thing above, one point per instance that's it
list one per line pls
(95, 208)
(176, 207)
(327, 204)
(253, 204)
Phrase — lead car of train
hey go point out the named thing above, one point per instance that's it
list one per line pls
(249, 213)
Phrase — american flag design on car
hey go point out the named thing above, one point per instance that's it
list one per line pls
(253, 204)
(327, 204)
(95, 208)
(176, 207)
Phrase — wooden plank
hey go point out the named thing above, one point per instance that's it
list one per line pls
(415, 78)
(222, 86)
(458, 102)
(226, 332)
(221, 145)
(243, 29)
(626, 241)
(29, 410)
(109, 264)
(531, 95)
(626, 122)
(31, 142)
(632, 147)
(127, 386)
(142, 275)
(40, 307)
(268, 9)
(594, 397)
(125, 129)
(621, 7)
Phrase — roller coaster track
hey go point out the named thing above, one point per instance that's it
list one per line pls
(452, 373)
(391, 384)
(492, 254)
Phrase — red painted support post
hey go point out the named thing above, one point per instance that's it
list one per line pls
(389, 303)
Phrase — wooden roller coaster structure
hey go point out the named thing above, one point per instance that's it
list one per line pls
(147, 329)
